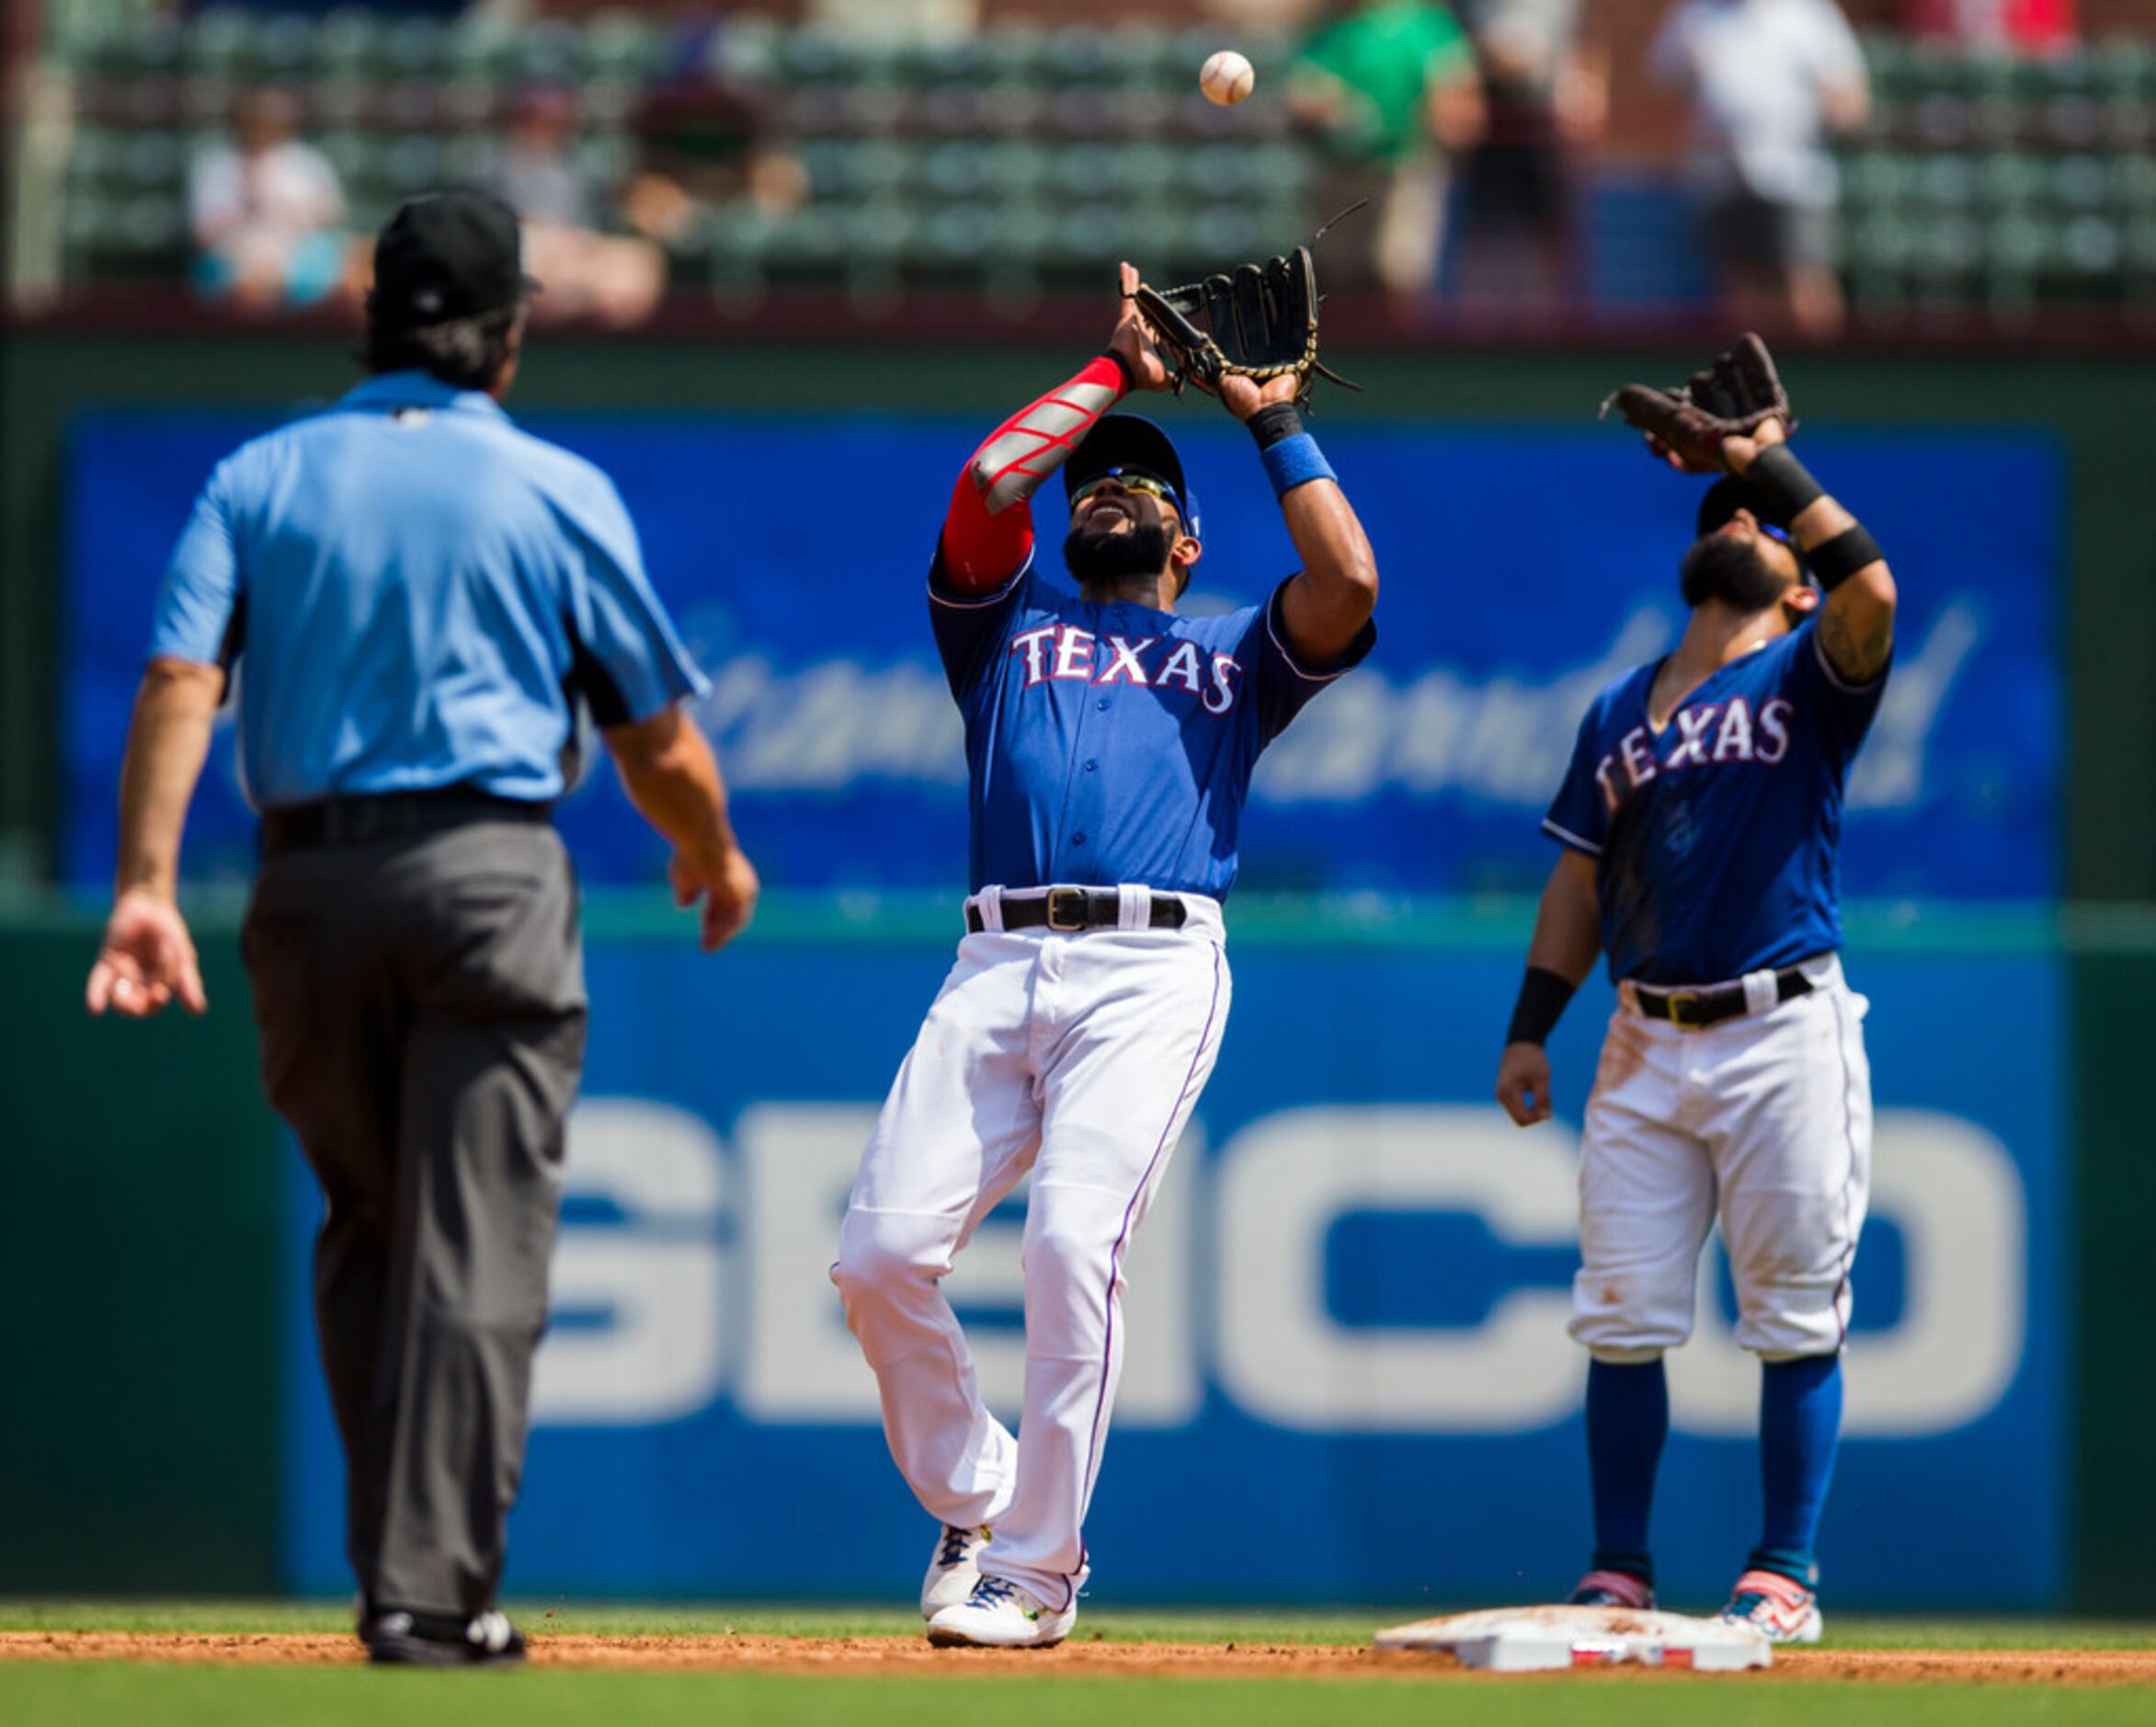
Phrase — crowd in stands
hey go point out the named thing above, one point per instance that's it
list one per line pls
(870, 143)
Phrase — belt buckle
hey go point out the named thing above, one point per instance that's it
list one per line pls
(1674, 1000)
(1074, 897)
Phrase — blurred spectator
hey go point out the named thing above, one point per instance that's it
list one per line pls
(2024, 25)
(711, 141)
(1547, 94)
(583, 273)
(1392, 85)
(266, 211)
(1771, 81)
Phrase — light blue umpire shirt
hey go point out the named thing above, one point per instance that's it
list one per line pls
(416, 593)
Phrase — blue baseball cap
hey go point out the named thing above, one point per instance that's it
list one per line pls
(1126, 440)
(1721, 501)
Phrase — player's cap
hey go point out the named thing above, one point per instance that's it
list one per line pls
(1126, 440)
(1721, 501)
(449, 255)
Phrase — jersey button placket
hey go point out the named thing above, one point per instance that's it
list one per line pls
(1088, 765)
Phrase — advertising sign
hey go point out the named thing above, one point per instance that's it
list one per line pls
(1522, 569)
(1348, 1379)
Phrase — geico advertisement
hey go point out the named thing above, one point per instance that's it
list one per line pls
(691, 1273)
(1347, 1375)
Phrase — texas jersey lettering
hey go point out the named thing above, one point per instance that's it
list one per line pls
(1718, 836)
(1111, 743)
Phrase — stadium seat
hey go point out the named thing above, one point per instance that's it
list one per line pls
(1948, 181)
(2081, 183)
(2012, 180)
(420, 48)
(618, 47)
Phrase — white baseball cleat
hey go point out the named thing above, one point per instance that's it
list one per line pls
(953, 1569)
(1000, 1615)
(1779, 1608)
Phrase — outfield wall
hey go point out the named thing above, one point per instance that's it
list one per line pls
(149, 1252)
(1426, 773)
(2090, 408)
(1348, 1310)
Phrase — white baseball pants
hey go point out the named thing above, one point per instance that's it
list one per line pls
(1078, 1057)
(1765, 1120)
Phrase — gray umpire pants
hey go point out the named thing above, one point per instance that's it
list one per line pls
(422, 1014)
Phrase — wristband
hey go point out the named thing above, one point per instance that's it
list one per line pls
(1542, 999)
(1275, 424)
(1130, 377)
(1292, 461)
(1847, 552)
(1778, 481)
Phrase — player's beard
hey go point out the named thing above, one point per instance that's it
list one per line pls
(1724, 568)
(1140, 550)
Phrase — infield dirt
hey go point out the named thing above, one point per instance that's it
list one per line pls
(895, 1656)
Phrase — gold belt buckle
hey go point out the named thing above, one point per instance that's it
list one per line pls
(1074, 897)
(1675, 1000)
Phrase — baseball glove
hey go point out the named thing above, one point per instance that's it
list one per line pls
(1734, 396)
(1260, 323)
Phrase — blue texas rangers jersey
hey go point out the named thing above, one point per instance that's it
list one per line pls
(1717, 839)
(1112, 744)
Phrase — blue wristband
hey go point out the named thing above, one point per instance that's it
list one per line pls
(1294, 462)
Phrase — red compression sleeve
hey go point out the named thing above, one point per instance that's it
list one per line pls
(989, 528)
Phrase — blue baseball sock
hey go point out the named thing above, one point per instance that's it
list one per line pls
(1628, 1420)
(1799, 1430)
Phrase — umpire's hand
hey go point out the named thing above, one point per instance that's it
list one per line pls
(726, 883)
(668, 768)
(147, 959)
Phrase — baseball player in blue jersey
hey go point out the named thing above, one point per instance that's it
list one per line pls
(1110, 743)
(1701, 821)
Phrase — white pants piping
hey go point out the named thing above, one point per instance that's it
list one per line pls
(1078, 1057)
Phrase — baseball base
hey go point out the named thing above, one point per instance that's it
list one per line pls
(1540, 1639)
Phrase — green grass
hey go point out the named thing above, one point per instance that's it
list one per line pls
(230, 1697)
(1119, 1625)
(178, 1696)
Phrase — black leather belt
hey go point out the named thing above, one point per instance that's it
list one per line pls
(1691, 1009)
(390, 816)
(1072, 910)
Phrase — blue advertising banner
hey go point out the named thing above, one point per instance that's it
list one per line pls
(1349, 1378)
(1522, 569)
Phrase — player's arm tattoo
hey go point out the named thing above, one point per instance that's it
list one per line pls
(1856, 620)
(1856, 648)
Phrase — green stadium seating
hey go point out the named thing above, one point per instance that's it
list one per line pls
(1032, 154)
(2013, 179)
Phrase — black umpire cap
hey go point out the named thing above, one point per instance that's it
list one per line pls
(1126, 441)
(449, 255)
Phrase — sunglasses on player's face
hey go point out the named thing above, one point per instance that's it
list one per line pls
(1126, 480)
(1772, 532)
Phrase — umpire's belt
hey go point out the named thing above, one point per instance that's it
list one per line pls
(390, 816)
(1071, 909)
(1691, 1009)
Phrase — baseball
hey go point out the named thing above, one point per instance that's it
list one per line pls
(1228, 78)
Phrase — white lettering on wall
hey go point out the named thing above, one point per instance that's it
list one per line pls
(711, 1279)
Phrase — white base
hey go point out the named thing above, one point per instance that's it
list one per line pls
(1539, 1639)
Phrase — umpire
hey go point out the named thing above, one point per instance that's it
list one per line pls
(421, 596)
